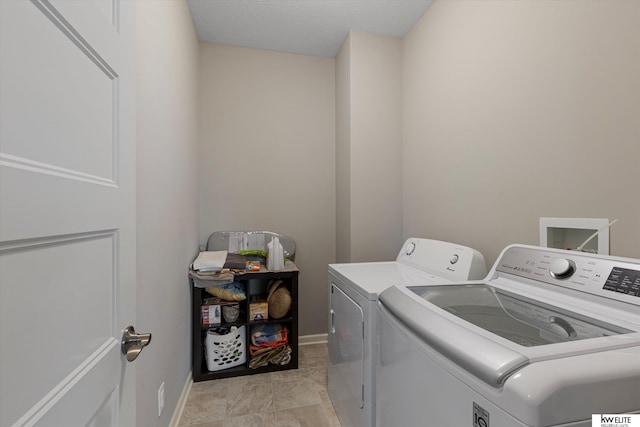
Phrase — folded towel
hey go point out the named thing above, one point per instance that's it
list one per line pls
(280, 355)
(210, 261)
(269, 335)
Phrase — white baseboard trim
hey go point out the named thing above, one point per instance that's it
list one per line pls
(313, 339)
(177, 414)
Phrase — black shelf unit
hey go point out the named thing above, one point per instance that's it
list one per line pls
(200, 371)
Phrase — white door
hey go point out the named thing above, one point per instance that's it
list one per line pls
(67, 212)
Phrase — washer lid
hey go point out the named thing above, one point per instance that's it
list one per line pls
(519, 319)
(492, 333)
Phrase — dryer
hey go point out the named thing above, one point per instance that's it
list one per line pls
(353, 293)
(549, 338)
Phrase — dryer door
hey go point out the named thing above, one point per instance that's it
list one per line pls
(346, 351)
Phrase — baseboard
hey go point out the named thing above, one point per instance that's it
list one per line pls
(313, 339)
(177, 414)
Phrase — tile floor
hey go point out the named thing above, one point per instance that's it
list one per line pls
(297, 397)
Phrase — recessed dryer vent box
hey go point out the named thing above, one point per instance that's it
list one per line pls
(569, 233)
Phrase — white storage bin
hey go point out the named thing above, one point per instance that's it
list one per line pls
(226, 350)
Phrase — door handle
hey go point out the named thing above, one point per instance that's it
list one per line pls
(132, 343)
(332, 329)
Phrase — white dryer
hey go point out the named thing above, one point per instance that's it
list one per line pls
(549, 338)
(354, 290)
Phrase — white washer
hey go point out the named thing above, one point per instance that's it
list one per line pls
(549, 338)
(354, 290)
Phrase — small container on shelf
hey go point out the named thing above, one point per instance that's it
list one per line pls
(231, 312)
(258, 310)
(219, 312)
(225, 347)
(210, 314)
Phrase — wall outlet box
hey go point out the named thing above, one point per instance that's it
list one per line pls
(570, 233)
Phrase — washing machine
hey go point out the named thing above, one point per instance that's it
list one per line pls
(354, 290)
(549, 338)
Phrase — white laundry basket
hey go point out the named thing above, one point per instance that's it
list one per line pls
(225, 350)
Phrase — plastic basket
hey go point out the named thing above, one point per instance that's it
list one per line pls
(225, 350)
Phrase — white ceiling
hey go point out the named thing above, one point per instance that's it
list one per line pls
(308, 27)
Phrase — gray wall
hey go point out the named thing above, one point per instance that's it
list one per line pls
(343, 152)
(369, 148)
(167, 200)
(518, 110)
(267, 157)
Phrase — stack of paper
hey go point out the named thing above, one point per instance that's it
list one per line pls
(210, 261)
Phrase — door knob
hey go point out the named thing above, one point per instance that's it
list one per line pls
(132, 343)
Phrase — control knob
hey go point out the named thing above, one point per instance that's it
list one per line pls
(562, 268)
(410, 248)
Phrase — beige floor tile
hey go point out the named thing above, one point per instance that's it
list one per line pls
(330, 412)
(249, 399)
(319, 377)
(313, 351)
(211, 424)
(204, 407)
(246, 381)
(290, 394)
(290, 375)
(296, 397)
(304, 416)
(266, 419)
(313, 362)
(324, 396)
(208, 387)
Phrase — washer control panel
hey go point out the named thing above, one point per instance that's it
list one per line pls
(596, 274)
(623, 280)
